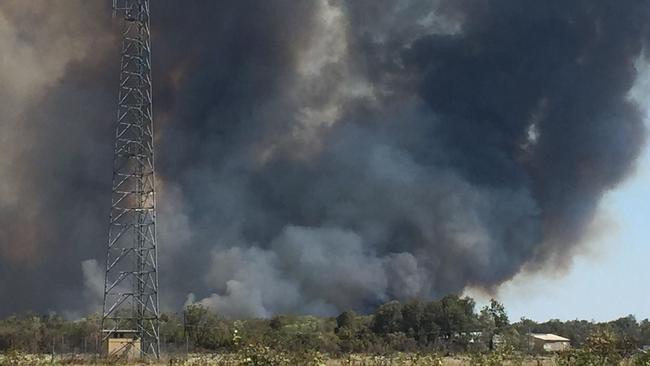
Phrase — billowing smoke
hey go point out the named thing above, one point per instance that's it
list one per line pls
(319, 155)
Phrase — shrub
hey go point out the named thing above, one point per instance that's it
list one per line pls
(502, 356)
(600, 350)
(259, 355)
(642, 359)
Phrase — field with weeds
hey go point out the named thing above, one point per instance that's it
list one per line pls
(263, 356)
(271, 359)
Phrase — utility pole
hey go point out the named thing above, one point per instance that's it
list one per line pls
(130, 310)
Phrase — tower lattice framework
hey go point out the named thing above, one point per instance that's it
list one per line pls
(131, 285)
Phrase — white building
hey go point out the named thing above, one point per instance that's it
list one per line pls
(548, 342)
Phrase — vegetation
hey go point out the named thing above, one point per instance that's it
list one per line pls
(448, 331)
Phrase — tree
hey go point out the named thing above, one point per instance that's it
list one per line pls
(412, 313)
(457, 315)
(172, 332)
(431, 313)
(353, 332)
(346, 319)
(644, 331)
(277, 322)
(628, 333)
(388, 318)
(498, 314)
(205, 328)
(493, 320)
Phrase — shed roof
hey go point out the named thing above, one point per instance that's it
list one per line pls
(549, 337)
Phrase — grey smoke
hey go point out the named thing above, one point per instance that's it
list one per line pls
(319, 156)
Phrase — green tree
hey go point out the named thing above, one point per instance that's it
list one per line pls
(346, 319)
(497, 312)
(172, 332)
(457, 315)
(493, 321)
(431, 314)
(644, 331)
(412, 313)
(388, 318)
(628, 332)
(205, 329)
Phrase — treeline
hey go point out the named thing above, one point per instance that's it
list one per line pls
(450, 325)
(52, 333)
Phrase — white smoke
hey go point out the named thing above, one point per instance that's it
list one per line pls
(93, 280)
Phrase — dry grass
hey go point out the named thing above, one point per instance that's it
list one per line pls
(458, 361)
(235, 360)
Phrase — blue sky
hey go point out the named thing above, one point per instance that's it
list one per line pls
(612, 277)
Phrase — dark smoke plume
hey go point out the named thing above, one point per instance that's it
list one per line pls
(318, 155)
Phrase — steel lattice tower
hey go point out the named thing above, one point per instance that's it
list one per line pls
(131, 285)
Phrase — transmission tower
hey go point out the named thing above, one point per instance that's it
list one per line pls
(130, 314)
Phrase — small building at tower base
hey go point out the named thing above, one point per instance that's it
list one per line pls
(123, 344)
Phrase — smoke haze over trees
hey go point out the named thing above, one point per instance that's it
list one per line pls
(321, 155)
